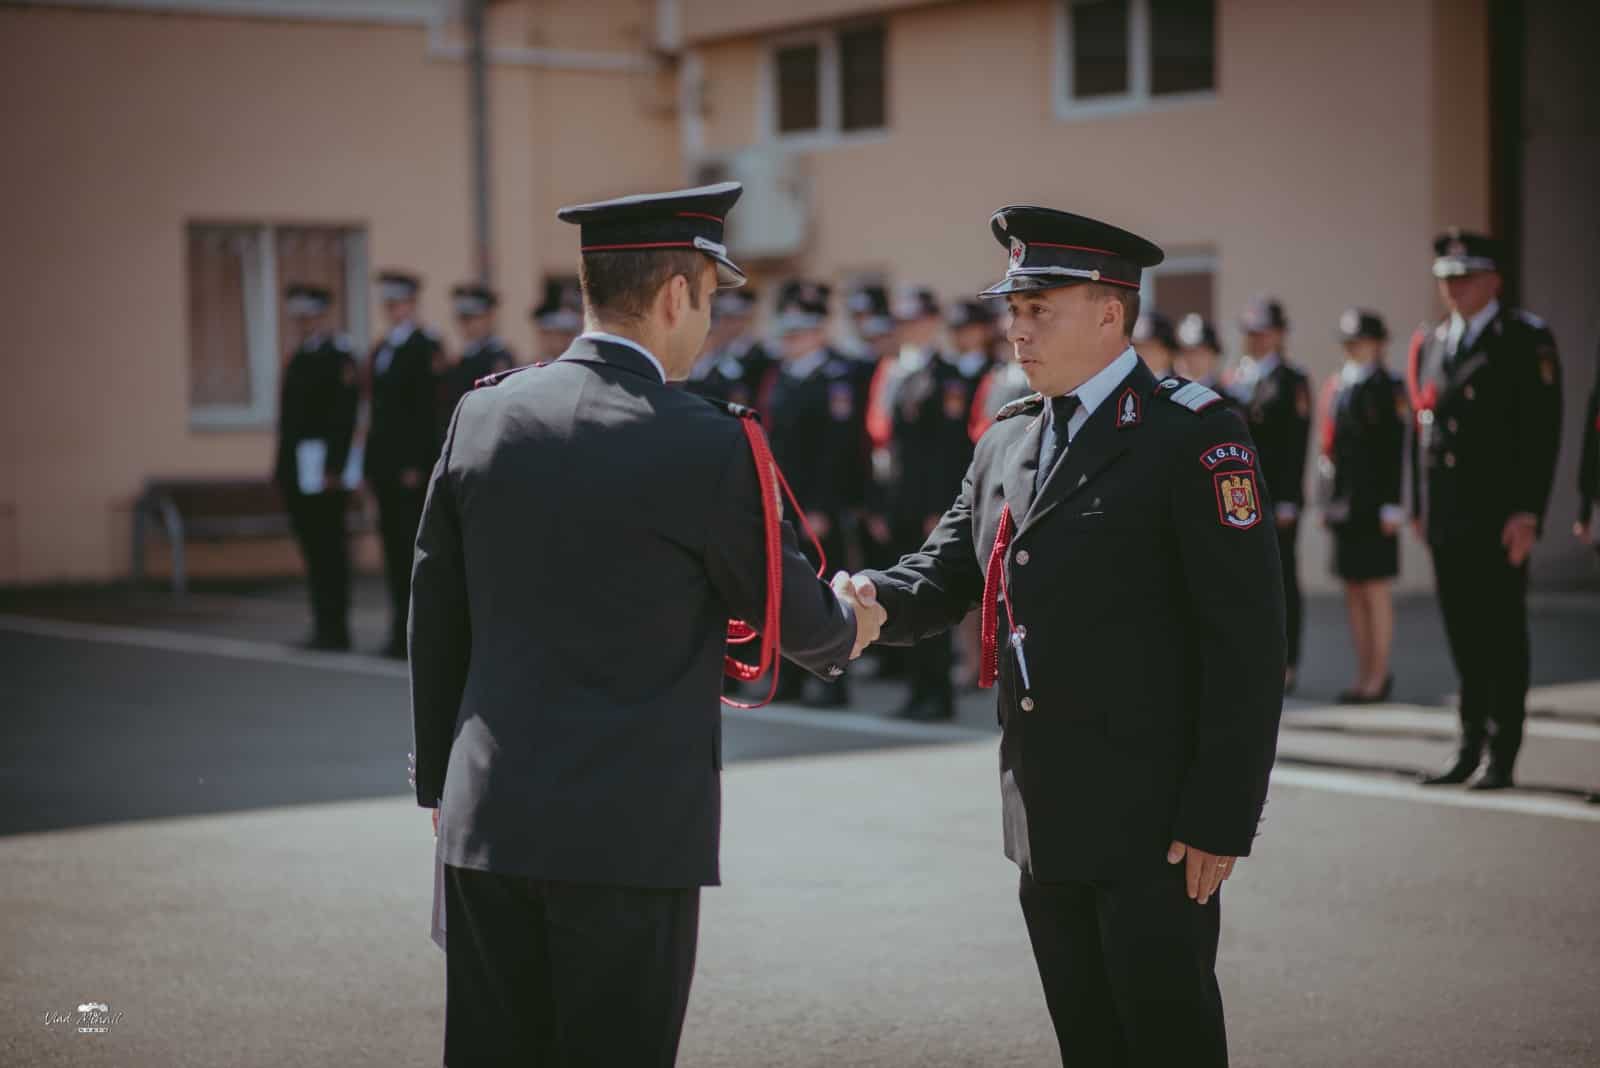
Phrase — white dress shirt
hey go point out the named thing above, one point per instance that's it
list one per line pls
(1463, 332)
(397, 337)
(1092, 394)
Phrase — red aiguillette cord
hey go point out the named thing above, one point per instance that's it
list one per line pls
(740, 632)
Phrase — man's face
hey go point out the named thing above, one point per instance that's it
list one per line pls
(1196, 362)
(305, 327)
(474, 327)
(399, 311)
(688, 339)
(1056, 333)
(1262, 343)
(798, 344)
(974, 337)
(920, 332)
(1469, 294)
(1363, 349)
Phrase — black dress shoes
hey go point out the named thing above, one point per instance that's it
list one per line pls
(1455, 774)
(926, 711)
(1493, 778)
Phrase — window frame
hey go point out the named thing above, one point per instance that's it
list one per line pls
(830, 105)
(1138, 98)
(261, 302)
(1183, 261)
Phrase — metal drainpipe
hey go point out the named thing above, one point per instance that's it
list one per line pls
(478, 105)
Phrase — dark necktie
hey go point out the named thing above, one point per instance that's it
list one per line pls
(1062, 409)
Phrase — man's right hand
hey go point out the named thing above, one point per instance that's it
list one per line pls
(861, 595)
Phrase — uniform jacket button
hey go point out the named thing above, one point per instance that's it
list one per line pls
(1027, 704)
(1023, 558)
(1451, 425)
(1449, 459)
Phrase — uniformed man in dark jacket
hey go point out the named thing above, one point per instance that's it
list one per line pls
(1156, 343)
(1365, 416)
(933, 448)
(482, 351)
(1486, 387)
(735, 362)
(1200, 353)
(589, 532)
(405, 371)
(1278, 405)
(1589, 466)
(316, 421)
(1107, 513)
(816, 416)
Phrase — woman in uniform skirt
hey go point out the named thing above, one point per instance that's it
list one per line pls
(1363, 439)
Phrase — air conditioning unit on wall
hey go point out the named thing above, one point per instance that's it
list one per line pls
(773, 218)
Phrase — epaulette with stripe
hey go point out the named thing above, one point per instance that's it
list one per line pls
(1186, 394)
(500, 376)
(1020, 406)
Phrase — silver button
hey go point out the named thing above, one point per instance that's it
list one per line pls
(1426, 415)
(1451, 425)
(1023, 558)
(1449, 459)
(1022, 633)
(1027, 704)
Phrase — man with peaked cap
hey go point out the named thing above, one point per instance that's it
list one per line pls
(1364, 420)
(590, 530)
(933, 448)
(557, 320)
(1106, 513)
(878, 346)
(1486, 388)
(1277, 402)
(1199, 352)
(816, 416)
(404, 371)
(316, 422)
(482, 352)
(735, 362)
(1156, 343)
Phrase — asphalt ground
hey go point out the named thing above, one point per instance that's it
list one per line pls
(210, 835)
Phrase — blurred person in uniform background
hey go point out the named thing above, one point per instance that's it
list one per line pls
(482, 352)
(1006, 380)
(316, 423)
(1199, 353)
(405, 369)
(1486, 387)
(880, 344)
(932, 448)
(816, 419)
(1364, 419)
(1589, 465)
(556, 320)
(1277, 401)
(735, 362)
(1155, 343)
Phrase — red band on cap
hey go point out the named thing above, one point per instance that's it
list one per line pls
(1075, 248)
(643, 244)
(1114, 282)
(699, 215)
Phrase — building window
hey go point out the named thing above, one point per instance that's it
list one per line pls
(826, 84)
(1183, 283)
(237, 328)
(1117, 55)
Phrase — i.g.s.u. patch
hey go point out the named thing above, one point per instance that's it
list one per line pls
(1229, 452)
(1238, 502)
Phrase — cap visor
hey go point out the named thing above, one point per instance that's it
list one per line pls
(1029, 283)
(1450, 268)
(729, 275)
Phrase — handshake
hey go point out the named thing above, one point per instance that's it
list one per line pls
(861, 595)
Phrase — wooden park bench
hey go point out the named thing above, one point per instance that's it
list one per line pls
(215, 510)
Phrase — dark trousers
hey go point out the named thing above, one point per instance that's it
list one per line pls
(1129, 971)
(318, 524)
(1484, 601)
(929, 663)
(566, 975)
(399, 513)
(1288, 537)
(791, 677)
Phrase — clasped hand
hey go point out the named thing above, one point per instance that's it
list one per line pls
(862, 596)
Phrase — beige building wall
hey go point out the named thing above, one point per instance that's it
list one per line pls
(1320, 169)
(125, 127)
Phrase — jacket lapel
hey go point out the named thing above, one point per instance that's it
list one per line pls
(1098, 445)
(1021, 463)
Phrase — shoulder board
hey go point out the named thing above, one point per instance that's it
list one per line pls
(1190, 395)
(1527, 318)
(1034, 402)
(500, 376)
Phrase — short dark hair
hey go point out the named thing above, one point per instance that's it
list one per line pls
(620, 286)
(1125, 296)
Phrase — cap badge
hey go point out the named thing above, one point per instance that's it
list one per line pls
(1019, 252)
